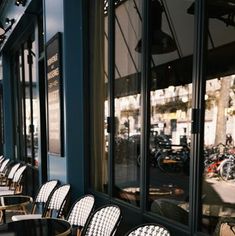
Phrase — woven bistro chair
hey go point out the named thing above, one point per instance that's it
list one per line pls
(79, 213)
(103, 222)
(41, 198)
(58, 202)
(54, 206)
(149, 229)
(16, 186)
(4, 166)
(6, 180)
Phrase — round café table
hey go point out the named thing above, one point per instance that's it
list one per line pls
(36, 227)
(8, 202)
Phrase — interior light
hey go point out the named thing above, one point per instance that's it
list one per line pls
(20, 2)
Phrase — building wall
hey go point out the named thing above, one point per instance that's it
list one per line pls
(64, 17)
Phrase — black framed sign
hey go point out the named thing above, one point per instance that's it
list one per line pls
(54, 95)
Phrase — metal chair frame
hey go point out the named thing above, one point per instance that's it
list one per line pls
(148, 229)
(103, 222)
(80, 212)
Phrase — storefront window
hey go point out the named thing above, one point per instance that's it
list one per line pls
(170, 106)
(128, 31)
(168, 93)
(27, 103)
(218, 203)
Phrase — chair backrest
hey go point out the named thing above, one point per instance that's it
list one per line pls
(3, 165)
(81, 210)
(13, 170)
(16, 182)
(43, 194)
(150, 229)
(57, 201)
(103, 222)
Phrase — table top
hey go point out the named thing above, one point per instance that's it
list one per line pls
(10, 201)
(36, 227)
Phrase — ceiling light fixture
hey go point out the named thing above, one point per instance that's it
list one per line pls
(161, 42)
(20, 2)
(223, 10)
(9, 22)
(3, 31)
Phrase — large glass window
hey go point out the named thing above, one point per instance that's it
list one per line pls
(170, 108)
(128, 31)
(218, 202)
(150, 101)
(27, 103)
(1, 118)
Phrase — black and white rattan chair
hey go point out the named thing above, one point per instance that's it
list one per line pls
(4, 166)
(150, 229)
(16, 185)
(41, 198)
(58, 201)
(54, 206)
(79, 213)
(6, 180)
(103, 222)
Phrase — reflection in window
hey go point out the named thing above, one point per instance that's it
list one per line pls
(218, 202)
(170, 106)
(28, 109)
(169, 153)
(219, 160)
(128, 23)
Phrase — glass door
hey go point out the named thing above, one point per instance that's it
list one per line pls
(26, 103)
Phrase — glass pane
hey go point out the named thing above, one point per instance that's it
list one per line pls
(98, 96)
(1, 119)
(170, 101)
(219, 160)
(128, 26)
(23, 108)
(35, 100)
(27, 120)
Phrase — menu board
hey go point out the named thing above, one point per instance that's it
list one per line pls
(54, 87)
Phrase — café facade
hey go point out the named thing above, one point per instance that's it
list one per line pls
(130, 100)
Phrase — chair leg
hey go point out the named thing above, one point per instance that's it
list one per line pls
(79, 232)
(1, 215)
(24, 210)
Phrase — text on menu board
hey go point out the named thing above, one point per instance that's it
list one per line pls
(54, 98)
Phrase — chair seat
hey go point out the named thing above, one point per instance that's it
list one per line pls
(4, 188)
(7, 192)
(26, 217)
